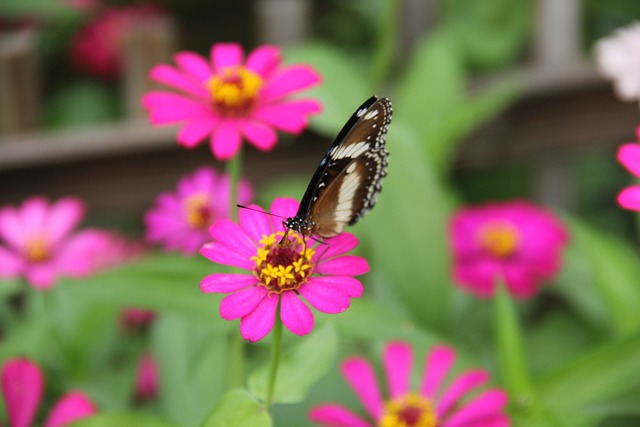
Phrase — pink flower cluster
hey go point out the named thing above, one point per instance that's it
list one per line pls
(437, 402)
(228, 99)
(629, 157)
(22, 389)
(514, 243)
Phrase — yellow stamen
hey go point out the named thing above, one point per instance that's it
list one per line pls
(198, 211)
(234, 90)
(500, 239)
(37, 249)
(411, 410)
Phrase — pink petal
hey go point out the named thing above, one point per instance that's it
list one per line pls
(194, 64)
(12, 229)
(22, 388)
(71, 407)
(260, 135)
(63, 216)
(10, 264)
(169, 76)
(290, 80)
(194, 132)
(437, 366)
(289, 116)
(224, 283)
(257, 324)
(242, 303)
(226, 140)
(464, 384)
(255, 224)
(486, 406)
(295, 315)
(398, 359)
(348, 265)
(264, 60)
(520, 281)
(362, 379)
(629, 198)
(225, 55)
(477, 277)
(325, 298)
(629, 156)
(41, 276)
(349, 285)
(79, 254)
(334, 415)
(167, 108)
(282, 208)
(338, 245)
(222, 254)
(232, 235)
(33, 215)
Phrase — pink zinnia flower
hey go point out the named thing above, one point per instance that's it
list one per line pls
(22, 389)
(433, 405)
(147, 378)
(98, 47)
(618, 59)
(179, 221)
(36, 241)
(629, 157)
(287, 272)
(228, 99)
(516, 243)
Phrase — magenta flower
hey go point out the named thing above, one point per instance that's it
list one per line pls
(629, 157)
(133, 318)
(147, 378)
(433, 405)
(22, 389)
(179, 221)
(227, 99)
(37, 242)
(288, 272)
(516, 242)
(98, 47)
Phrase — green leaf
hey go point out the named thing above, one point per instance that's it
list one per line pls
(81, 103)
(238, 408)
(342, 88)
(598, 376)
(615, 273)
(300, 368)
(192, 359)
(122, 419)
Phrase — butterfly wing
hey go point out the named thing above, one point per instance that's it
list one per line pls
(349, 179)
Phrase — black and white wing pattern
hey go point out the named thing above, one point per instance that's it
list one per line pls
(349, 178)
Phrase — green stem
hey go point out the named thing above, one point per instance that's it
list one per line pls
(276, 341)
(383, 56)
(234, 170)
(511, 355)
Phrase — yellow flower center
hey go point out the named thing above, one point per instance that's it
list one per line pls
(283, 266)
(411, 410)
(499, 238)
(37, 249)
(234, 90)
(198, 212)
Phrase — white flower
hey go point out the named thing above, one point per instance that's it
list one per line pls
(618, 58)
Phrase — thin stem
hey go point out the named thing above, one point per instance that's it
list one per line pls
(511, 358)
(385, 45)
(234, 170)
(276, 341)
(237, 360)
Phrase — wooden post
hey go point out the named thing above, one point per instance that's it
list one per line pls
(19, 84)
(282, 22)
(558, 30)
(150, 43)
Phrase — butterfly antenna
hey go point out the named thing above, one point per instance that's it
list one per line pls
(261, 211)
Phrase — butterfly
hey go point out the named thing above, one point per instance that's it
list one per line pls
(348, 179)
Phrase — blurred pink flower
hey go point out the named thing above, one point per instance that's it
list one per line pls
(227, 99)
(618, 59)
(36, 241)
(132, 318)
(22, 390)
(179, 220)
(629, 157)
(116, 250)
(287, 272)
(516, 243)
(147, 378)
(98, 47)
(435, 404)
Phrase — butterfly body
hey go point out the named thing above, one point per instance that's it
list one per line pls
(348, 179)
